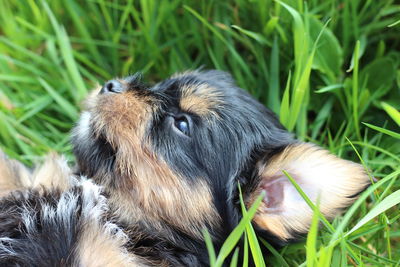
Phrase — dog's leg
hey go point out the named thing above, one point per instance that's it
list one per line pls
(53, 173)
(13, 175)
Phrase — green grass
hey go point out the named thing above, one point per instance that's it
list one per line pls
(330, 68)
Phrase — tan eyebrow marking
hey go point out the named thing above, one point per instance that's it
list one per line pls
(200, 99)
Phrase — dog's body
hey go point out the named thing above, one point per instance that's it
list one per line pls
(164, 163)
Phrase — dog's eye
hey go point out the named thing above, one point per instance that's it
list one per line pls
(182, 124)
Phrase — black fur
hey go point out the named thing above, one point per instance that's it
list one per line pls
(29, 237)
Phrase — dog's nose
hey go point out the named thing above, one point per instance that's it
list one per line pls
(112, 86)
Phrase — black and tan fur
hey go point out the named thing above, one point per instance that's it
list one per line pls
(152, 187)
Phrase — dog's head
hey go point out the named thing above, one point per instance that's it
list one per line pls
(173, 154)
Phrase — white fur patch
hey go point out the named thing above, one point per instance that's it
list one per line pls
(83, 128)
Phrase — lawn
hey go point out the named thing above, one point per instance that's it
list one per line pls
(329, 68)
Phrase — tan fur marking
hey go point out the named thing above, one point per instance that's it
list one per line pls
(98, 248)
(320, 174)
(121, 116)
(196, 105)
(200, 99)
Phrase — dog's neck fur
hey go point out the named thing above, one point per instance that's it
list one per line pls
(162, 242)
(157, 248)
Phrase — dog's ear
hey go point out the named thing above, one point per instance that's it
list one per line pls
(333, 181)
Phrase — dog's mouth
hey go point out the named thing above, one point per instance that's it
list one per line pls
(106, 152)
(102, 141)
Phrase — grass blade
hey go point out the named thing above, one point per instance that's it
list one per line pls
(311, 243)
(392, 112)
(210, 247)
(383, 130)
(234, 237)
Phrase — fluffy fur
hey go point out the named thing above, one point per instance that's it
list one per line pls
(164, 162)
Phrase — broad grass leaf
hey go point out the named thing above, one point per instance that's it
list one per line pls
(390, 201)
(380, 73)
(328, 55)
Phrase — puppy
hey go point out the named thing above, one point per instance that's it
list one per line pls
(164, 163)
